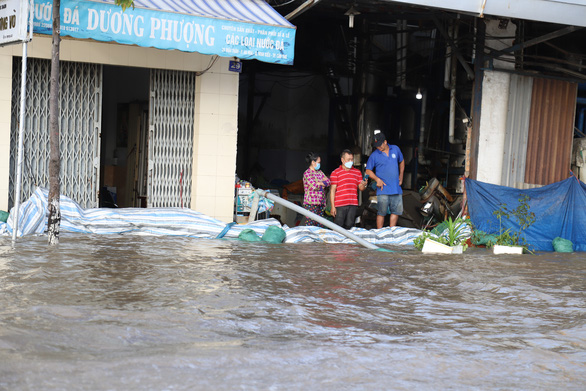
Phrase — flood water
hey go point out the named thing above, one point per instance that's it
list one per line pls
(151, 313)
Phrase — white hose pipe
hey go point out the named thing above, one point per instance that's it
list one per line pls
(319, 219)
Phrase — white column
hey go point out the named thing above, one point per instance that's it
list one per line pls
(214, 141)
(5, 118)
(493, 122)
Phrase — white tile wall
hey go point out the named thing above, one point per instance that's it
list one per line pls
(215, 135)
(5, 118)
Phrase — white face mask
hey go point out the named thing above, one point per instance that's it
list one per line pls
(348, 164)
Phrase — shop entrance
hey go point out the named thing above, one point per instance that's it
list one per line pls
(147, 137)
(124, 151)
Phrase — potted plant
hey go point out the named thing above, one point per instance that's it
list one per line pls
(451, 239)
(509, 241)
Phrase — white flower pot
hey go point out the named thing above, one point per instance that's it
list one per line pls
(498, 249)
(433, 247)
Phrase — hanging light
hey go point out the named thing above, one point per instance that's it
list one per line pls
(351, 13)
(418, 95)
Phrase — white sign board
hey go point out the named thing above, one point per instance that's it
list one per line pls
(14, 20)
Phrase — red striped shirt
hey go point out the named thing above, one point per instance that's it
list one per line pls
(347, 186)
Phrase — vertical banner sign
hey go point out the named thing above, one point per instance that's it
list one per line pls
(13, 21)
(168, 30)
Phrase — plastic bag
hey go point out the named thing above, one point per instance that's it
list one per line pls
(274, 234)
(248, 235)
(562, 245)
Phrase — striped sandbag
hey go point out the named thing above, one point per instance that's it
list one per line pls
(176, 222)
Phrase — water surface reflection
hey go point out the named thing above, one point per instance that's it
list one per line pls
(136, 312)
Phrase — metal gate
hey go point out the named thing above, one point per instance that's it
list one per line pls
(81, 113)
(171, 122)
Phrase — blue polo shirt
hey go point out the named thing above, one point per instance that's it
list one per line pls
(386, 168)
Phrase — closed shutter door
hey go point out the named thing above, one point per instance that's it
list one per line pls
(171, 122)
(81, 112)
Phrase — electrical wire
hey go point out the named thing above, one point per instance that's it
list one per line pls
(282, 4)
(210, 65)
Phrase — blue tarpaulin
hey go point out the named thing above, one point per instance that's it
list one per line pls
(560, 211)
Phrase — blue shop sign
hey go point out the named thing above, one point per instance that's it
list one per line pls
(168, 30)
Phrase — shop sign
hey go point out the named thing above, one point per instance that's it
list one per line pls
(13, 21)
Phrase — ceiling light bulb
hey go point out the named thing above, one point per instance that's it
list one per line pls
(351, 13)
(418, 95)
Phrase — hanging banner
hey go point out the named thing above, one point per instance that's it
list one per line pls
(13, 21)
(167, 30)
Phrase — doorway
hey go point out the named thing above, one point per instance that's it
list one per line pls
(124, 138)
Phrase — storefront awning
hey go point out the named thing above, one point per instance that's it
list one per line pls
(247, 29)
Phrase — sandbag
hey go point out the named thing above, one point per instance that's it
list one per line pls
(480, 238)
(561, 245)
(248, 235)
(440, 228)
(274, 234)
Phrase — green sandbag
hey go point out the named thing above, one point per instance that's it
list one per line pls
(248, 235)
(440, 228)
(274, 234)
(3, 216)
(562, 245)
(480, 238)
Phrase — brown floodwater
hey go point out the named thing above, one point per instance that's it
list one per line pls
(166, 313)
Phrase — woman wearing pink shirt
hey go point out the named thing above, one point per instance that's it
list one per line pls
(314, 185)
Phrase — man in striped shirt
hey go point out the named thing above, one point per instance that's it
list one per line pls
(344, 182)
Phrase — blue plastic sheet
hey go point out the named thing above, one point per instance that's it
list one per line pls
(560, 210)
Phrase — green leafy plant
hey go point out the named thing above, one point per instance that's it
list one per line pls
(524, 218)
(454, 233)
(420, 240)
(481, 238)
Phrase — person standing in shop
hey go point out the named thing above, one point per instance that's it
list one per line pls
(386, 166)
(315, 183)
(345, 180)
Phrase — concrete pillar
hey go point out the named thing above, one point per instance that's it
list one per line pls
(214, 141)
(493, 123)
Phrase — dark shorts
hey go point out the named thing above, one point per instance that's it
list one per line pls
(346, 216)
(392, 204)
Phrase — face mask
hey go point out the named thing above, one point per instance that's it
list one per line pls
(317, 166)
(348, 164)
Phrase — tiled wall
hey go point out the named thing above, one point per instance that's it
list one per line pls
(216, 112)
(215, 136)
(5, 107)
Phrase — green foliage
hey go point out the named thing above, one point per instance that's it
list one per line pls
(481, 238)
(453, 234)
(420, 240)
(125, 4)
(524, 218)
(506, 238)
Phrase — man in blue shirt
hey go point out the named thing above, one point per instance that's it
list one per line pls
(386, 166)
